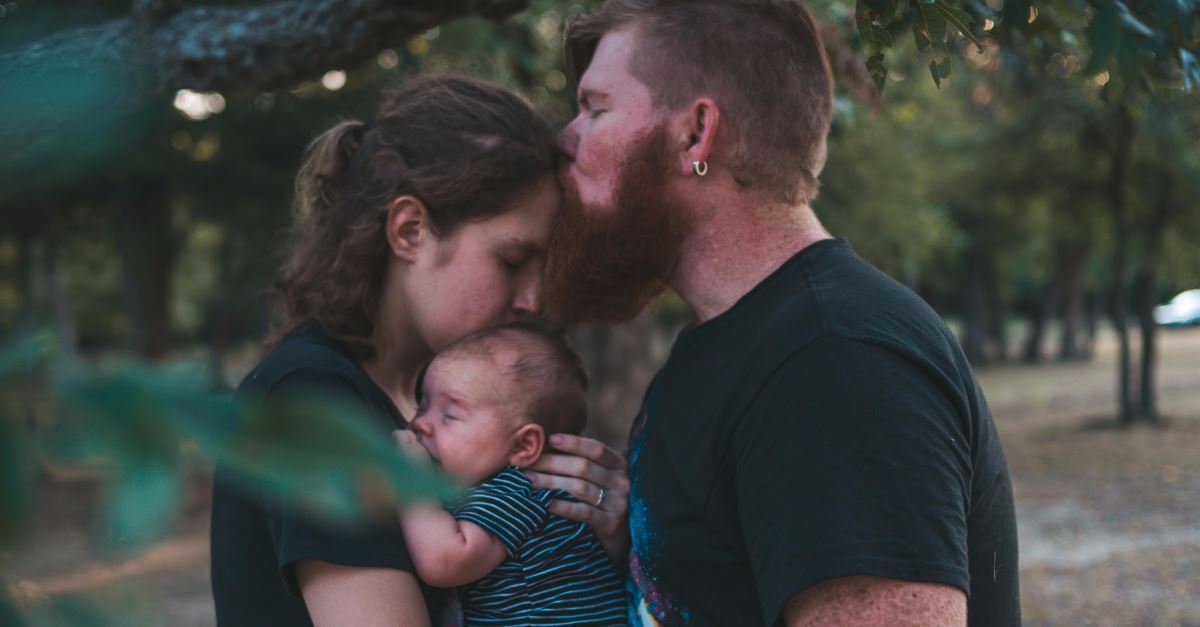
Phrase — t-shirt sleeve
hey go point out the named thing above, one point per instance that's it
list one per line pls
(298, 534)
(852, 460)
(505, 506)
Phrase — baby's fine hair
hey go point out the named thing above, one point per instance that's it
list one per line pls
(549, 372)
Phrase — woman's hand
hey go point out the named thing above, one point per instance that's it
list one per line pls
(597, 476)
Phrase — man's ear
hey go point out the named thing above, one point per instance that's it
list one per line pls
(699, 131)
(407, 227)
(528, 444)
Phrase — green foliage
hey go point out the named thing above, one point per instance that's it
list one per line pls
(1145, 44)
(146, 426)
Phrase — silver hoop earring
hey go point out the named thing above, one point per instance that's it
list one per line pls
(701, 167)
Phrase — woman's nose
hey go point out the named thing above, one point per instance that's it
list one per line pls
(528, 300)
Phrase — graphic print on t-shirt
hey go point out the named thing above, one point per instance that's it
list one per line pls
(651, 604)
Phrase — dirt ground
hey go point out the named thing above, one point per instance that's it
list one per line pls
(1109, 518)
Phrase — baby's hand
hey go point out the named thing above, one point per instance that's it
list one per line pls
(411, 447)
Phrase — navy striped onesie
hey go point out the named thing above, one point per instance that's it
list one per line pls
(556, 572)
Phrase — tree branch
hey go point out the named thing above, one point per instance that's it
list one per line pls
(114, 68)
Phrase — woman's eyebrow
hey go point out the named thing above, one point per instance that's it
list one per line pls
(524, 245)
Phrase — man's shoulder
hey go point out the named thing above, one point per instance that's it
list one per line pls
(840, 296)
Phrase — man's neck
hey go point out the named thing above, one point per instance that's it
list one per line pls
(732, 251)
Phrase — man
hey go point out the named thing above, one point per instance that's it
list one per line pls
(815, 450)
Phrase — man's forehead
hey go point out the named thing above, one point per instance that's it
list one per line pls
(609, 62)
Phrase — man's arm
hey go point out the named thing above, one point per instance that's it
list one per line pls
(349, 595)
(448, 552)
(875, 601)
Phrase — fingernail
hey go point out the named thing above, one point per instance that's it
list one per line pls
(557, 439)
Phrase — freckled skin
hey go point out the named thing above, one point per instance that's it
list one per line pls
(868, 601)
(614, 116)
(460, 283)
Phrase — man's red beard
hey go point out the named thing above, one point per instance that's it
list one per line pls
(607, 263)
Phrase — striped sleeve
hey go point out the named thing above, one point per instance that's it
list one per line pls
(506, 507)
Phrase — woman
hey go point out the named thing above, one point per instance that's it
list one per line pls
(417, 229)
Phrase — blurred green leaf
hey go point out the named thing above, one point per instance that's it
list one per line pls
(141, 503)
(328, 455)
(1104, 38)
(1190, 68)
(885, 8)
(1130, 22)
(940, 70)
(9, 616)
(74, 611)
(960, 19)
(325, 454)
(878, 70)
(23, 354)
(16, 494)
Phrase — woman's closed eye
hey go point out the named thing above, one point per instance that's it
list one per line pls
(513, 263)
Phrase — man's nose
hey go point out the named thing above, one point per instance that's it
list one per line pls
(568, 141)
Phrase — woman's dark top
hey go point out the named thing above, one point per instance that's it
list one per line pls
(256, 540)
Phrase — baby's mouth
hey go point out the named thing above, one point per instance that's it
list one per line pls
(437, 463)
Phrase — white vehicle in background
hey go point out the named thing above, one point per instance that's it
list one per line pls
(1182, 311)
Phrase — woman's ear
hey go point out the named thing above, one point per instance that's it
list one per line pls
(407, 227)
(528, 443)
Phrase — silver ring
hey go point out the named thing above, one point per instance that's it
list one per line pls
(599, 500)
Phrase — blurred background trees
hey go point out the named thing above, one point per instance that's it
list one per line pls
(1030, 169)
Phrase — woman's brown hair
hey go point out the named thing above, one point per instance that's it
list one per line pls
(466, 148)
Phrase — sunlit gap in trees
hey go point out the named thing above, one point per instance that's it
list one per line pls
(199, 105)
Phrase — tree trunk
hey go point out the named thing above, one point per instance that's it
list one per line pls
(975, 306)
(620, 362)
(60, 304)
(1038, 314)
(1120, 288)
(149, 249)
(1148, 282)
(23, 322)
(1073, 305)
(1147, 299)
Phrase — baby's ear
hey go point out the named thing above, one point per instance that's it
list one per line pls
(528, 443)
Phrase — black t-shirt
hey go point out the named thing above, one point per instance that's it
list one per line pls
(257, 540)
(827, 425)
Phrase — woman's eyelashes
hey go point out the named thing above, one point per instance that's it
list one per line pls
(513, 263)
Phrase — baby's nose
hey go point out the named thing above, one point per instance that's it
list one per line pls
(420, 426)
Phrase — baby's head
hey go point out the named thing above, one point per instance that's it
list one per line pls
(492, 398)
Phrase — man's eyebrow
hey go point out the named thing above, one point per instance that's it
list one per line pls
(587, 95)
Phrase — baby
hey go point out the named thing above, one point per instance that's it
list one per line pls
(487, 405)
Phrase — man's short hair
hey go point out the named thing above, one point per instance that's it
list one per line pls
(549, 374)
(761, 60)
